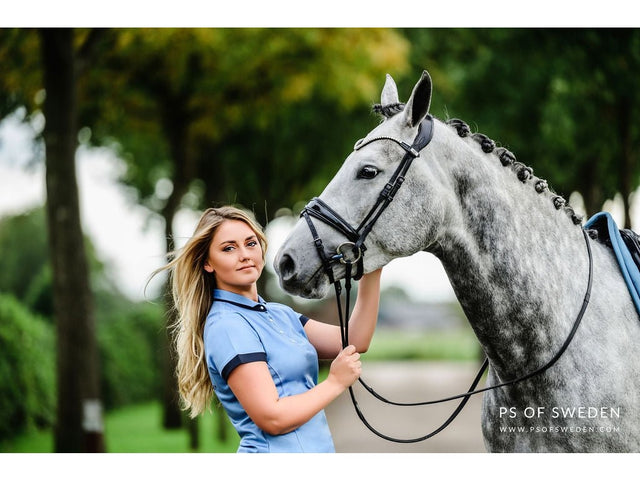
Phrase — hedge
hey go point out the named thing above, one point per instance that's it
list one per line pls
(129, 343)
(27, 369)
(128, 340)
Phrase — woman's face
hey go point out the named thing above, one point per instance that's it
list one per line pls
(235, 256)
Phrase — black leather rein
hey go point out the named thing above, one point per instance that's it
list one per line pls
(351, 253)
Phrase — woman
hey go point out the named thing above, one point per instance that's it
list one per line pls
(261, 359)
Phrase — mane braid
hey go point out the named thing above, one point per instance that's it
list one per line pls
(523, 172)
(389, 110)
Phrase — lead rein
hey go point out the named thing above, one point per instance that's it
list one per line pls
(344, 329)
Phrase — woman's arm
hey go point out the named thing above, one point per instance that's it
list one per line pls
(253, 386)
(326, 338)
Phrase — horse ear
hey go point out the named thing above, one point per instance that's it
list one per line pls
(389, 92)
(418, 104)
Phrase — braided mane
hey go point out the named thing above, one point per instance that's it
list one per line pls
(388, 110)
(507, 158)
(523, 172)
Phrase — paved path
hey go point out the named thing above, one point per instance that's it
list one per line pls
(409, 381)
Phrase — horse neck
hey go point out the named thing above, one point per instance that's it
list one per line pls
(517, 265)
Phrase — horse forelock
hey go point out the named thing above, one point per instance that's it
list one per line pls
(523, 173)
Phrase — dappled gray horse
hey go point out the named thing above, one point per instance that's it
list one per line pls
(516, 257)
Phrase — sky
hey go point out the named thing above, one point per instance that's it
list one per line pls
(130, 240)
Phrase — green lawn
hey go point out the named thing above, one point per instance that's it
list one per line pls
(443, 345)
(137, 429)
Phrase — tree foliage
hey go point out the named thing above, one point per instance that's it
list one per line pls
(562, 100)
(25, 271)
(200, 110)
(21, 77)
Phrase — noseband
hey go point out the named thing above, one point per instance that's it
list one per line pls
(351, 252)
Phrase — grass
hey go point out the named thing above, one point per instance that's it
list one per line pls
(138, 429)
(442, 345)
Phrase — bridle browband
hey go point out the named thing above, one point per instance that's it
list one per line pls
(356, 238)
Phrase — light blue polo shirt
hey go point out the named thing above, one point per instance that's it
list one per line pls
(237, 331)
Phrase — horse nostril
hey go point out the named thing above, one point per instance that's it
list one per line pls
(287, 267)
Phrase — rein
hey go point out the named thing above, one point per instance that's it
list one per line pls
(356, 238)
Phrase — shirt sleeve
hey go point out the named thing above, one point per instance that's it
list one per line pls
(231, 341)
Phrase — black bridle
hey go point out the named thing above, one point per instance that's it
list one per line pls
(357, 236)
(355, 240)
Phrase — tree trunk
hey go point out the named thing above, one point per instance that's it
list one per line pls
(79, 426)
(175, 121)
(171, 414)
(193, 425)
(592, 195)
(221, 432)
(626, 157)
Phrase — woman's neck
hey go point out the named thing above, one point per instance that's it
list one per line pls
(251, 292)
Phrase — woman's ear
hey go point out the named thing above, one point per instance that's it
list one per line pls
(208, 267)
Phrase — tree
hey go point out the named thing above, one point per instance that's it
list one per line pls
(562, 100)
(593, 110)
(25, 272)
(79, 411)
(21, 78)
(34, 63)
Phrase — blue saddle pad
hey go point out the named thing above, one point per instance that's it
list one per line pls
(609, 233)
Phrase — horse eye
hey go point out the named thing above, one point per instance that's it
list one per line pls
(368, 172)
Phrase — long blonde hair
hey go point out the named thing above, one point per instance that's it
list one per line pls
(192, 289)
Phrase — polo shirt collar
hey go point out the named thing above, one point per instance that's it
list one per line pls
(239, 300)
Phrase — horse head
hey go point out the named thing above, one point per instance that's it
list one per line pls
(404, 226)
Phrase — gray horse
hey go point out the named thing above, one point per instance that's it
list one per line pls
(516, 257)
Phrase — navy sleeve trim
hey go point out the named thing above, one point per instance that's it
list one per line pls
(303, 320)
(240, 359)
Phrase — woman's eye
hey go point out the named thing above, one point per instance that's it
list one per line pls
(227, 248)
(253, 243)
(368, 172)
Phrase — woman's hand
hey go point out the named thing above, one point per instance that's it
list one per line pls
(346, 368)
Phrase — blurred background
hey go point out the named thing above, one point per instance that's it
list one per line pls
(112, 141)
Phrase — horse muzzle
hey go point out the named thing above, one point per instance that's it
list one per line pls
(296, 279)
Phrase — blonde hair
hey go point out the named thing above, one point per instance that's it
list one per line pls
(192, 290)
